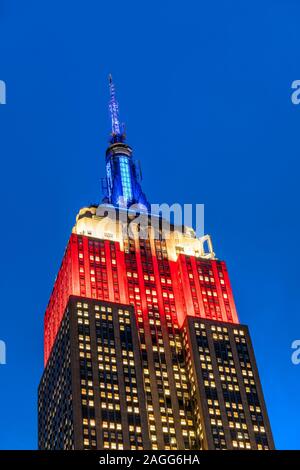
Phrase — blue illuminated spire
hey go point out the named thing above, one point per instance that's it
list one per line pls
(117, 130)
(123, 187)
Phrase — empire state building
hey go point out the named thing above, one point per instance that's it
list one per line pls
(143, 346)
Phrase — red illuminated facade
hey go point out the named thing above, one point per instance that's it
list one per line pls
(98, 269)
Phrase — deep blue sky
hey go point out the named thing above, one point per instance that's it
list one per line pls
(204, 88)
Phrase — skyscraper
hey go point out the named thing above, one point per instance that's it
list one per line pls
(143, 346)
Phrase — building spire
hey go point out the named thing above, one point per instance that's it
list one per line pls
(122, 187)
(117, 131)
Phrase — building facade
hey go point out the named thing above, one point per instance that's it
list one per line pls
(143, 346)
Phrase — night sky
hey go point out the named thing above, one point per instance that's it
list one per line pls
(205, 91)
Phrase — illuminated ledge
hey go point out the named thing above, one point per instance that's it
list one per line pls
(107, 223)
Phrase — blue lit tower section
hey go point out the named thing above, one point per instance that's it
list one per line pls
(123, 188)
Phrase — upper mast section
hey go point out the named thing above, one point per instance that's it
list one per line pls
(117, 130)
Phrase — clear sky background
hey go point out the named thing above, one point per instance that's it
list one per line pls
(204, 88)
